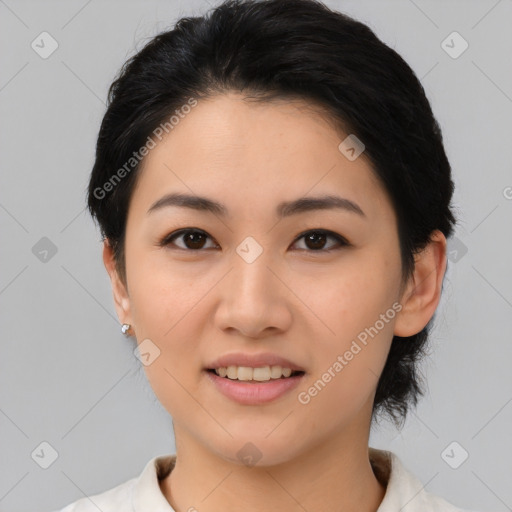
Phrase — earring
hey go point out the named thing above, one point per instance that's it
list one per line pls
(125, 328)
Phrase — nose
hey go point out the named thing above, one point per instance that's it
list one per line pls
(253, 299)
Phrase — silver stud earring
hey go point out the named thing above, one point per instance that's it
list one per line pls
(125, 328)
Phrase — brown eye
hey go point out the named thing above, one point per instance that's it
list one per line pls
(315, 240)
(192, 239)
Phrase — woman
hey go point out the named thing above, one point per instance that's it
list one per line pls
(274, 198)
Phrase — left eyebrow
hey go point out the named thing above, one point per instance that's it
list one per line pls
(284, 209)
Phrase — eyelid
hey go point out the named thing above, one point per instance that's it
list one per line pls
(342, 241)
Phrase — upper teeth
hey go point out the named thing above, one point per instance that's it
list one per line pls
(248, 373)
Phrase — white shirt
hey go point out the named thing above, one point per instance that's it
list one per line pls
(404, 492)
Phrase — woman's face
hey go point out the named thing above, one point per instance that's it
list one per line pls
(260, 279)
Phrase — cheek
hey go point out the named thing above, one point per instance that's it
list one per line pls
(352, 296)
(356, 310)
(166, 308)
(162, 295)
(164, 302)
(348, 363)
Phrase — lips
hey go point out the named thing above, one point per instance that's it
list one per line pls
(255, 393)
(253, 361)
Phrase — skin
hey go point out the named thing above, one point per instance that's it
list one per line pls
(294, 300)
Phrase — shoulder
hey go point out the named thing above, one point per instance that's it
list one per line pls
(404, 491)
(113, 500)
(134, 494)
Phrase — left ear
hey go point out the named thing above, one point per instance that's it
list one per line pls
(423, 290)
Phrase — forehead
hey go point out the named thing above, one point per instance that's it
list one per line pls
(245, 153)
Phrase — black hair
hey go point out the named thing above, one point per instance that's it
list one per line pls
(288, 49)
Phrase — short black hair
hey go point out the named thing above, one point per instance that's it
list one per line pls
(297, 49)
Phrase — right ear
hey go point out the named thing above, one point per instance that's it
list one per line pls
(121, 298)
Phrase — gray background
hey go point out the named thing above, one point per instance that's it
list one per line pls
(69, 377)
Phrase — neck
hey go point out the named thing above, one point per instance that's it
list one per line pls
(331, 476)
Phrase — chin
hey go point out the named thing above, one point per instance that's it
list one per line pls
(258, 451)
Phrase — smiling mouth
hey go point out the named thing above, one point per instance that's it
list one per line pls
(228, 374)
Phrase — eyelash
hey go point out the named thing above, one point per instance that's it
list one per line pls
(169, 239)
